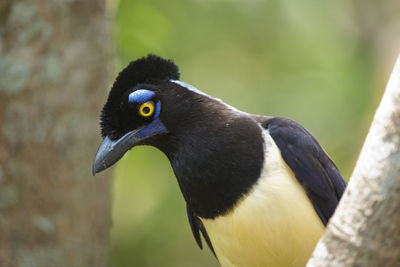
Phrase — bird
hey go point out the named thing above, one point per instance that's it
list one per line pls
(259, 189)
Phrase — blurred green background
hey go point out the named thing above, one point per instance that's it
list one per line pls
(318, 62)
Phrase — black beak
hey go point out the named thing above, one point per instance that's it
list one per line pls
(110, 151)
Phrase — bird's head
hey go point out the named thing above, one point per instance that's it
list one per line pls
(146, 102)
(209, 143)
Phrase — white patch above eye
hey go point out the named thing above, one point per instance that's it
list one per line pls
(194, 89)
(189, 87)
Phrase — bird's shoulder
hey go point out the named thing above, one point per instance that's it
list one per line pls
(313, 168)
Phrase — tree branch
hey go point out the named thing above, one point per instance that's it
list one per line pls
(365, 229)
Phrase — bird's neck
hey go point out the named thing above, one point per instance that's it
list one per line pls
(216, 163)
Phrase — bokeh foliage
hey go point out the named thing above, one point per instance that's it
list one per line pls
(306, 60)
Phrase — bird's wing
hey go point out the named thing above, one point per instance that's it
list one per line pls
(314, 170)
(197, 226)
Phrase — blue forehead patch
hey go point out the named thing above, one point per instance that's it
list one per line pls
(140, 96)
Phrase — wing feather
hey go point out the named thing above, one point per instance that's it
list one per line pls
(198, 227)
(314, 170)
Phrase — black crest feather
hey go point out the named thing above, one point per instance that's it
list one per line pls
(146, 70)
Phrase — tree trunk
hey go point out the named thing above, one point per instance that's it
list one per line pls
(54, 66)
(365, 229)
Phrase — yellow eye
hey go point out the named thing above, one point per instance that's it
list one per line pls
(146, 109)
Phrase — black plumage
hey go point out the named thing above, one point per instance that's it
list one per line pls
(116, 115)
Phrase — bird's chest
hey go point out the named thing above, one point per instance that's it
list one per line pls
(273, 225)
(215, 168)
